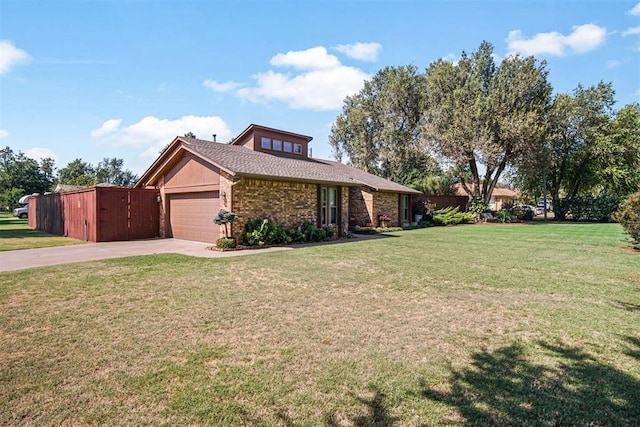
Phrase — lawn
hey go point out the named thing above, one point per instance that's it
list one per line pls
(16, 234)
(467, 325)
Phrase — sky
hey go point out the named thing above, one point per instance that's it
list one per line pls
(115, 78)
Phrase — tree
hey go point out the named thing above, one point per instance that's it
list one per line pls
(225, 217)
(111, 171)
(20, 175)
(617, 150)
(190, 135)
(575, 121)
(77, 172)
(480, 114)
(379, 127)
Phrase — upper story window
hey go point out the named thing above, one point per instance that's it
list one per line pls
(266, 143)
(288, 147)
(277, 145)
(273, 144)
(297, 148)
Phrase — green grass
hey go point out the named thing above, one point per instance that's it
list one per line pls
(467, 325)
(16, 234)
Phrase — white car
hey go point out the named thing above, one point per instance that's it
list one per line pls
(22, 212)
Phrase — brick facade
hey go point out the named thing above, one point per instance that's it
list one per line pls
(387, 204)
(361, 206)
(287, 203)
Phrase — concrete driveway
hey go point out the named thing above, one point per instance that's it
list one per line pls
(29, 258)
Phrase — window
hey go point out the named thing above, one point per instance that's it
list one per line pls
(266, 143)
(277, 144)
(404, 207)
(288, 147)
(297, 148)
(328, 206)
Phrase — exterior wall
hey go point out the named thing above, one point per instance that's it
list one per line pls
(287, 203)
(344, 209)
(361, 206)
(253, 141)
(163, 209)
(387, 204)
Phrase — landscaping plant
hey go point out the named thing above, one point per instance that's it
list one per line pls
(225, 217)
(628, 215)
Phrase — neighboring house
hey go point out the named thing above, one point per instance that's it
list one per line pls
(499, 197)
(265, 173)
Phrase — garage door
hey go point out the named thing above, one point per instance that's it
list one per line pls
(191, 216)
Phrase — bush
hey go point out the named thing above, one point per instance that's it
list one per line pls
(225, 243)
(452, 216)
(522, 212)
(588, 208)
(503, 216)
(628, 215)
(259, 232)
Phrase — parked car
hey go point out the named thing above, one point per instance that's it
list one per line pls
(22, 212)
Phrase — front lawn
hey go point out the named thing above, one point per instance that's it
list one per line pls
(468, 325)
(16, 234)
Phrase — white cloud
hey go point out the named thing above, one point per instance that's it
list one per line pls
(107, 127)
(151, 134)
(315, 58)
(319, 83)
(10, 56)
(362, 51)
(38, 153)
(3, 134)
(221, 87)
(635, 10)
(582, 39)
(613, 63)
(633, 31)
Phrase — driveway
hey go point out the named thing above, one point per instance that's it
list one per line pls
(29, 258)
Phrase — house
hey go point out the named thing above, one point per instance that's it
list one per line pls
(499, 197)
(261, 173)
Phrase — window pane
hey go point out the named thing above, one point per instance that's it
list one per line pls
(288, 146)
(266, 143)
(334, 214)
(297, 148)
(333, 196)
(277, 144)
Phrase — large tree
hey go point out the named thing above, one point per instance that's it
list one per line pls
(77, 172)
(20, 175)
(575, 123)
(379, 128)
(482, 117)
(112, 171)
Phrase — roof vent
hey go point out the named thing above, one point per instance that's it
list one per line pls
(214, 137)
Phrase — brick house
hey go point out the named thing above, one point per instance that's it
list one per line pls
(264, 173)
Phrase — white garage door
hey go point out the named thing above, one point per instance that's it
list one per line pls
(191, 216)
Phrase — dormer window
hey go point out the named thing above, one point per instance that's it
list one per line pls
(297, 148)
(266, 143)
(277, 145)
(288, 147)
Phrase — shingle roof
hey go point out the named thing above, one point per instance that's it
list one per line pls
(242, 161)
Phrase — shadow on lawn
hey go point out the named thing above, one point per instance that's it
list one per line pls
(504, 388)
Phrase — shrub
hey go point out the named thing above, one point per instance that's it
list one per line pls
(628, 215)
(225, 217)
(503, 216)
(522, 212)
(589, 208)
(452, 216)
(225, 243)
(263, 232)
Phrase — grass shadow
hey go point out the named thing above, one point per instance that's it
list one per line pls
(377, 413)
(627, 306)
(504, 388)
(22, 233)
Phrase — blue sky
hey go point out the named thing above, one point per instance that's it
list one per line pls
(81, 79)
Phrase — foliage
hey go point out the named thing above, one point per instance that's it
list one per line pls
(111, 171)
(224, 217)
(77, 172)
(628, 215)
(226, 243)
(438, 185)
(478, 206)
(260, 232)
(589, 208)
(503, 216)
(480, 113)
(20, 175)
(522, 212)
(383, 217)
(452, 216)
(379, 127)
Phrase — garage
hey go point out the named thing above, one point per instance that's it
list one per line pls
(191, 216)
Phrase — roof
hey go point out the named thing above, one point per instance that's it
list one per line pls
(244, 162)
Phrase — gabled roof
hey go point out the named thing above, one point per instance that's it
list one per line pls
(497, 192)
(243, 162)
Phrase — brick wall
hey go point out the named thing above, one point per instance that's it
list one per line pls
(287, 203)
(386, 203)
(361, 205)
(162, 232)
